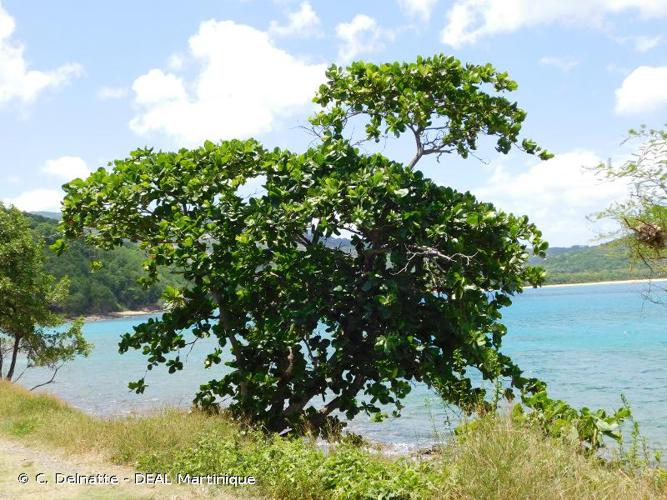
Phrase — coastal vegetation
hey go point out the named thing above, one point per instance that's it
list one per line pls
(31, 333)
(497, 457)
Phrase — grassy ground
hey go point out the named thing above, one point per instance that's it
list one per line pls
(494, 459)
(18, 460)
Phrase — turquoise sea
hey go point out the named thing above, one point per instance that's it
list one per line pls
(589, 343)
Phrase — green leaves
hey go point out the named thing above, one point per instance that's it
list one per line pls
(138, 387)
(413, 296)
(558, 419)
(444, 104)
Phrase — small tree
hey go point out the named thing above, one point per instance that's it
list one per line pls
(28, 325)
(313, 328)
(643, 217)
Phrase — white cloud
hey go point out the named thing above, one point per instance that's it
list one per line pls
(470, 20)
(361, 35)
(303, 22)
(157, 87)
(108, 93)
(557, 195)
(641, 43)
(67, 168)
(565, 64)
(646, 43)
(645, 89)
(244, 85)
(418, 8)
(38, 200)
(19, 82)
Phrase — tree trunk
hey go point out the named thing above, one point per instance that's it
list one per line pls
(15, 354)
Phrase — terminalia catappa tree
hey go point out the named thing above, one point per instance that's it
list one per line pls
(312, 330)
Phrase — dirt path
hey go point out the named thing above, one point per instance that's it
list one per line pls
(18, 460)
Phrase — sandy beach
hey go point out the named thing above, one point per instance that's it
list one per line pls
(619, 282)
(121, 314)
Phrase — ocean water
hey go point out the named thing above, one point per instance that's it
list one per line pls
(589, 343)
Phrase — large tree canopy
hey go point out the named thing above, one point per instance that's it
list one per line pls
(311, 328)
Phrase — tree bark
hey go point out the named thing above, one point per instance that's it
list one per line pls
(278, 399)
(15, 354)
(226, 324)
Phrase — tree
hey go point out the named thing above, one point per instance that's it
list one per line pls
(313, 328)
(28, 325)
(643, 217)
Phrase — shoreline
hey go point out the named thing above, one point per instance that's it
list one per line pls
(616, 282)
(121, 314)
(146, 312)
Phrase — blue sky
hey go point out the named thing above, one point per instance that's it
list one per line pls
(82, 83)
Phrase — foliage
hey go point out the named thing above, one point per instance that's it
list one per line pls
(583, 427)
(494, 459)
(445, 104)
(418, 300)
(113, 285)
(28, 325)
(295, 468)
(643, 216)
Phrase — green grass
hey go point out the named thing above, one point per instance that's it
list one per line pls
(493, 459)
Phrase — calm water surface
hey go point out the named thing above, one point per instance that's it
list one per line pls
(589, 343)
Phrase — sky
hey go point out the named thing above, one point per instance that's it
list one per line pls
(83, 83)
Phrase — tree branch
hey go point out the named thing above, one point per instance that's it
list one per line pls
(420, 148)
(50, 381)
(352, 391)
(429, 252)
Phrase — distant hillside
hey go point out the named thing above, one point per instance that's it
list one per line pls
(115, 287)
(575, 264)
(112, 288)
(48, 215)
(579, 264)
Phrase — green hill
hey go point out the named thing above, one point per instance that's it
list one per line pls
(580, 264)
(112, 288)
